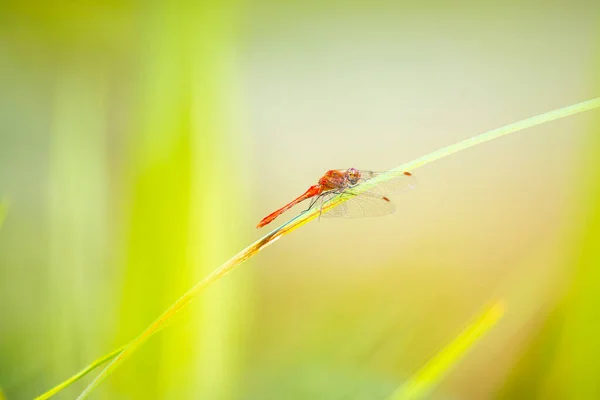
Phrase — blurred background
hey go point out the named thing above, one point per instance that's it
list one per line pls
(141, 143)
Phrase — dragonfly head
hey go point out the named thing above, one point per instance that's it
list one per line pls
(352, 175)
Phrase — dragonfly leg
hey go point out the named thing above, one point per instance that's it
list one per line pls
(319, 197)
(312, 203)
(334, 193)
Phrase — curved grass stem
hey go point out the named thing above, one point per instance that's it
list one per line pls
(303, 218)
(80, 374)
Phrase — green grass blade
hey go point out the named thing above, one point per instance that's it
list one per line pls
(304, 218)
(79, 375)
(96, 363)
(425, 380)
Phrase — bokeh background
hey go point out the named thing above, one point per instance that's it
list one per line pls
(141, 142)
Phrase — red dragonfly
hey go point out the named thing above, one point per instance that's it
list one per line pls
(369, 203)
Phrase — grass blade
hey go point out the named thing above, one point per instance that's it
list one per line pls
(425, 380)
(306, 217)
(79, 375)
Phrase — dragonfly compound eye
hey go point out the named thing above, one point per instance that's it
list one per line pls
(353, 175)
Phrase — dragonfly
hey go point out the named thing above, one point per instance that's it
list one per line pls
(369, 203)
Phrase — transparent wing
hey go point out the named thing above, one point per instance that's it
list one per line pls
(404, 181)
(364, 205)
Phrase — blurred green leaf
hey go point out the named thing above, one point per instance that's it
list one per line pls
(578, 359)
(425, 380)
(527, 376)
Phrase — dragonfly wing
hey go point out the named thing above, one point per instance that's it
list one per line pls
(358, 206)
(397, 184)
(335, 212)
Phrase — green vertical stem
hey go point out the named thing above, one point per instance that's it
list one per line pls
(217, 162)
(182, 154)
(158, 206)
(579, 361)
(575, 369)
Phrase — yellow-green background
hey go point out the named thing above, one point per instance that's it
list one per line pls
(141, 142)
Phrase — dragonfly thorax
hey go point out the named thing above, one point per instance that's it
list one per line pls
(333, 179)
